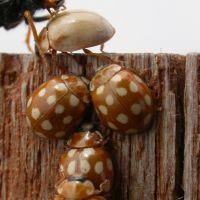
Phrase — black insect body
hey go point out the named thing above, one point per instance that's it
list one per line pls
(12, 11)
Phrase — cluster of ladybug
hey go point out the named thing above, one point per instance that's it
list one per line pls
(122, 102)
(121, 99)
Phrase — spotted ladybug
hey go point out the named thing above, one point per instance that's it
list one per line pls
(57, 106)
(86, 168)
(121, 99)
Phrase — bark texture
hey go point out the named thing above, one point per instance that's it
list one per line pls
(161, 164)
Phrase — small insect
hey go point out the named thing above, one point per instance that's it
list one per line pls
(69, 31)
(12, 11)
(57, 106)
(122, 100)
(86, 168)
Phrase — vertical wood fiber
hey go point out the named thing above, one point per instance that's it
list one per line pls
(151, 165)
(192, 134)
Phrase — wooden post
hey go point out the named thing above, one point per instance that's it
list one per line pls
(192, 125)
(161, 164)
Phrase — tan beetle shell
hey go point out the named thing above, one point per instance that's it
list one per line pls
(74, 30)
(122, 100)
(57, 106)
(89, 160)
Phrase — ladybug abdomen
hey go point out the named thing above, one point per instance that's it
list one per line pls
(54, 109)
(93, 163)
(123, 102)
(74, 30)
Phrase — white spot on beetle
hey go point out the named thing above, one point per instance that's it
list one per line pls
(42, 92)
(122, 118)
(67, 120)
(103, 109)
(109, 100)
(109, 164)
(59, 109)
(46, 125)
(35, 113)
(121, 91)
(132, 130)
(116, 78)
(136, 109)
(73, 100)
(112, 126)
(84, 166)
(88, 152)
(98, 167)
(71, 167)
(71, 152)
(29, 102)
(60, 134)
(133, 87)
(61, 87)
(51, 99)
(147, 99)
(147, 119)
(100, 90)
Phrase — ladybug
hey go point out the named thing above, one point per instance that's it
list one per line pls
(121, 99)
(86, 168)
(57, 106)
(69, 31)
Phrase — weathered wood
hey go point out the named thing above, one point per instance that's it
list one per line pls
(192, 131)
(28, 163)
(150, 164)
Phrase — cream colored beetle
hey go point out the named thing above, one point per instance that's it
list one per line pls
(74, 30)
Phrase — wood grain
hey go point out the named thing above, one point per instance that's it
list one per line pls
(192, 131)
(160, 164)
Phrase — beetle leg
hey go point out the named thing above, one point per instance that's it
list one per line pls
(28, 16)
(102, 56)
(53, 58)
(101, 48)
(27, 40)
